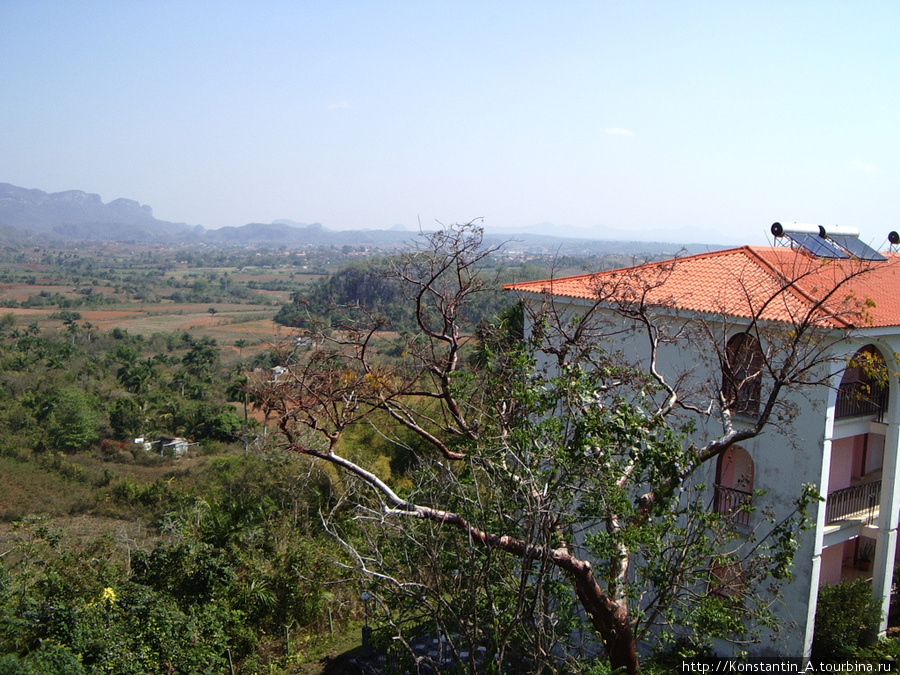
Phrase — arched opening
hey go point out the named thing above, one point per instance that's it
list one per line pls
(735, 476)
(864, 386)
(742, 376)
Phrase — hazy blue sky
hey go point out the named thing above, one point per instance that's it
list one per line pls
(637, 117)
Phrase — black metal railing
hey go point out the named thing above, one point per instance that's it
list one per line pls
(859, 502)
(861, 398)
(734, 503)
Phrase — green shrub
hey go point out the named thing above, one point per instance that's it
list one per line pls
(54, 660)
(847, 619)
(10, 664)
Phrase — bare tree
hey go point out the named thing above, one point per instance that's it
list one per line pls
(581, 443)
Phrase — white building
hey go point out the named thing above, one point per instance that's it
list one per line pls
(844, 431)
(173, 446)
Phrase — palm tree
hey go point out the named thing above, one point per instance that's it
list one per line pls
(237, 391)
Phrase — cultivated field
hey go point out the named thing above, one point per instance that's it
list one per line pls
(146, 292)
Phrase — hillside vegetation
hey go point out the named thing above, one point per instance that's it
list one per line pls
(116, 557)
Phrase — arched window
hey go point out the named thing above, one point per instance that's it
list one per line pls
(735, 475)
(864, 386)
(742, 377)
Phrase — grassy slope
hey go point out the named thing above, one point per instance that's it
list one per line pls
(27, 489)
(77, 509)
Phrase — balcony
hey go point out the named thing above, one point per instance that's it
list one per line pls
(861, 398)
(856, 503)
(734, 503)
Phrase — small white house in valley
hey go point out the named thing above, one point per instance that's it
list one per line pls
(173, 446)
(842, 429)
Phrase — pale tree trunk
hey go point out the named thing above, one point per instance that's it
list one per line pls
(609, 618)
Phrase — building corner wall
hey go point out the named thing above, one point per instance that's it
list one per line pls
(886, 547)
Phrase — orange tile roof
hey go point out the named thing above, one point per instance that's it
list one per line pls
(774, 283)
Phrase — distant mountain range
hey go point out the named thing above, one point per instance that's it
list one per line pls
(77, 215)
(34, 216)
